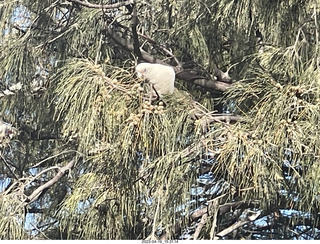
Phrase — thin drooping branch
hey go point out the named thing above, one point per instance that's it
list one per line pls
(36, 193)
(102, 6)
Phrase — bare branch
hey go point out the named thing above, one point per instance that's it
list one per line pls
(200, 225)
(35, 194)
(222, 208)
(212, 84)
(206, 117)
(102, 6)
(251, 216)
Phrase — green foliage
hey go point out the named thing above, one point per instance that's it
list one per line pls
(11, 224)
(138, 160)
(103, 111)
(281, 101)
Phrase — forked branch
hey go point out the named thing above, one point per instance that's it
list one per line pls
(37, 192)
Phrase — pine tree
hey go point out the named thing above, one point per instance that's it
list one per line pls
(233, 153)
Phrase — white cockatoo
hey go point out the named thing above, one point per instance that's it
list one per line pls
(161, 77)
